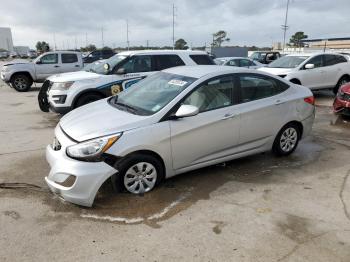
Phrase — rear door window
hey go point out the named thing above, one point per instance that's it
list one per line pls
(69, 58)
(330, 60)
(202, 59)
(255, 86)
(167, 61)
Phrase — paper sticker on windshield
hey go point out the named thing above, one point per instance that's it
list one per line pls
(176, 82)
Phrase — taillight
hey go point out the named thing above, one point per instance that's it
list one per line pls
(310, 100)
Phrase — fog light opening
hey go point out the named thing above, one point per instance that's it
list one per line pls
(70, 180)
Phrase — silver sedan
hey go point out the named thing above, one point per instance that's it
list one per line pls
(174, 121)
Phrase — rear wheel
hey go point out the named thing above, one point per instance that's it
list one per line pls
(21, 83)
(87, 98)
(287, 140)
(342, 81)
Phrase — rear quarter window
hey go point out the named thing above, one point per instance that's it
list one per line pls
(167, 61)
(202, 59)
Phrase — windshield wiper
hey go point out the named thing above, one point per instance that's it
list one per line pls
(128, 108)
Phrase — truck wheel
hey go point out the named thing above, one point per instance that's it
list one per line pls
(87, 98)
(21, 83)
(343, 80)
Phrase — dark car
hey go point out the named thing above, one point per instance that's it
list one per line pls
(265, 57)
(341, 103)
(98, 55)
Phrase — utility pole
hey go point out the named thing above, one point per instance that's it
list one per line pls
(86, 42)
(173, 26)
(127, 33)
(103, 43)
(285, 27)
(147, 44)
(75, 42)
(54, 41)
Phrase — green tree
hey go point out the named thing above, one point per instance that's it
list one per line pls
(295, 40)
(106, 48)
(181, 44)
(220, 37)
(42, 47)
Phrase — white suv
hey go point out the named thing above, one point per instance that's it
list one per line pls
(64, 92)
(315, 71)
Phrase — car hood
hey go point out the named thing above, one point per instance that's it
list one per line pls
(99, 119)
(276, 71)
(74, 76)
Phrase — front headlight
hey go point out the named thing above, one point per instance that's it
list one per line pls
(62, 86)
(5, 69)
(93, 149)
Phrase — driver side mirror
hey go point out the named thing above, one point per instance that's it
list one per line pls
(39, 62)
(309, 66)
(186, 110)
(121, 71)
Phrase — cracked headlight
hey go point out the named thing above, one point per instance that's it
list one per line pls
(62, 86)
(92, 150)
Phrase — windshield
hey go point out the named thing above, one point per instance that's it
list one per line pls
(152, 94)
(99, 67)
(288, 62)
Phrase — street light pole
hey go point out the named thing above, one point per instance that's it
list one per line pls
(285, 26)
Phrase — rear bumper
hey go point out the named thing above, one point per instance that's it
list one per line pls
(307, 125)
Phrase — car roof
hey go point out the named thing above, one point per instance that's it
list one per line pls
(155, 52)
(232, 57)
(199, 71)
(314, 54)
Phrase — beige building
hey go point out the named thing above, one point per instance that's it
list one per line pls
(331, 43)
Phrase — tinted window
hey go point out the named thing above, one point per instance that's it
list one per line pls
(330, 60)
(107, 52)
(341, 59)
(317, 61)
(202, 59)
(167, 61)
(95, 54)
(49, 59)
(213, 94)
(69, 58)
(255, 87)
(137, 64)
(246, 63)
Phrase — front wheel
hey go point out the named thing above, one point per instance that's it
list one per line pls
(139, 173)
(21, 83)
(286, 140)
(87, 98)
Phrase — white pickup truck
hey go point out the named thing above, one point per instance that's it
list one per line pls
(316, 71)
(21, 75)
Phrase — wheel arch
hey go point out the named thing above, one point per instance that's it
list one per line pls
(295, 81)
(26, 73)
(85, 92)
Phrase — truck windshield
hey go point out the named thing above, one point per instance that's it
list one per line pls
(288, 62)
(151, 94)
(98, 67)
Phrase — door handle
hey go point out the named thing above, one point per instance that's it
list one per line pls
(279, 102)
(56, 66)
(77, 66)
(229, 116)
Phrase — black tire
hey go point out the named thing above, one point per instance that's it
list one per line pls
(21, 82)
(342, 81)
(87, 98)
(281, 148)
(125, 165)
